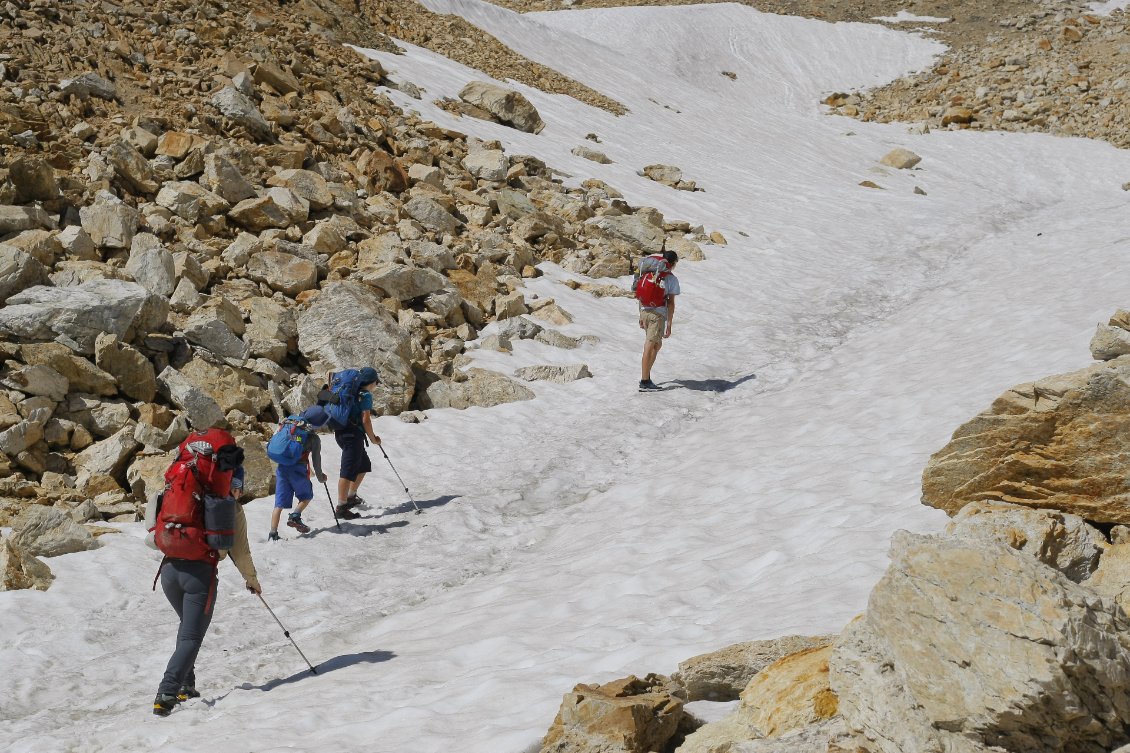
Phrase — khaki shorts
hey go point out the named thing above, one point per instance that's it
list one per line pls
(655, 324)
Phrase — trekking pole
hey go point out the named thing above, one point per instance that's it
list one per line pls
(393, 467)
(333, 508)
(287, 634)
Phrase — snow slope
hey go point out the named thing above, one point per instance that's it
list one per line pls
(817, 361)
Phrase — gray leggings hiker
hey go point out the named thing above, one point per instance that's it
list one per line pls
(190, 588)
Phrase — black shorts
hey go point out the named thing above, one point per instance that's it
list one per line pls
(354, 459)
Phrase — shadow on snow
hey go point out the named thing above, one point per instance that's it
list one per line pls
(338, 662)
(709, 385)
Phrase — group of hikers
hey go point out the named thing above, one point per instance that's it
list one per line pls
(197, 521)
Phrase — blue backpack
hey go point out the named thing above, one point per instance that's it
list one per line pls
(342, 397)
(290, 442)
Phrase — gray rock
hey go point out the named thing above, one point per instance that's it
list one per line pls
(76, 243)
(1109, 343)
(431, 215)
(242, 111)
(557, 339)
(307, 184)
(557, 374)
(87, 85)
(217, 327)
(273, 330)
(224, 179)
(83, 312)
(330, 338)
(82, 375)
(18, 271)
(302, 395)
(34, 179)
(630, 228)
(201, 410)
(482, 389)
(380, 250)
(431, 255)
(19, 219)
(965, 645)
(108, 457)
(49, 532)
(403, 282)
(487, 164)
(723, 674)
(592, 155)
(151, 265)
(132, 167)
(110, 222)
(278, 208)
(38, 380)
(191, 201)
(283, 272)
(17, 439)
(507, 105)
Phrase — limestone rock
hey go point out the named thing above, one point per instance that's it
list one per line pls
(330, 338)
(963, 646)
(279, 208)
(48, 532)
(553, 314)
(900, 159)
(191, 201)
(631, 715)
(791, 693)
(259, 480)
(18, 271)
(285, 273)
(506, 105)
(25, 434)
(79, 373)
(19, 569)
(217, 327)
(403, 282)
(109, 221)
(487, 164)
(242, 111)
(1112, 577)
(131, 167)
(202, 411)
(667, 174)
(151, 265)
(307, 184)
(1110, 342)
(592, 154)
(87, 85)
(107, 457)
(431, 215)
(557, 374)
(76, 243)
(232, 389)
(34, 179)
(630, 228)
(722, 675)
(687, 250)
(1054, 444)
(83, 312)
(224, 179)
(273, 331)
(19, 219)
(508, 305)
(727, 735)
(1059, 540)
(482, 389)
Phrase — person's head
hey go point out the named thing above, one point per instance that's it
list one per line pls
(315, 416)
(671, 258)
(369, 378)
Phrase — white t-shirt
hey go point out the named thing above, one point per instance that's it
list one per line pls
(671, 287)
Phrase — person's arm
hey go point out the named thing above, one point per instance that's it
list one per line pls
(670, 314)
(241, 553)
(316, 456)
(367, 422)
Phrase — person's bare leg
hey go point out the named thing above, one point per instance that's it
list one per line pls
(343, 485)
(650, 351)
(275, 515)
(356, 484)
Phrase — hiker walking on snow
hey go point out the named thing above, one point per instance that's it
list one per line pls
(656, 289)
(349, 401)
(197, 523)
(295, 446)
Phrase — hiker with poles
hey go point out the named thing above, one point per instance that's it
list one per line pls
(348, 401)
(655, 287)
(197, 522)
(294, 447)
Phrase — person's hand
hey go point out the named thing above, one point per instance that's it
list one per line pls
(322, 478)
(641, 324)
(667, 333)
(375, 439)
(254, 587)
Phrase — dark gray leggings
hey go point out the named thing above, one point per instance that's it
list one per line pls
(189, 587)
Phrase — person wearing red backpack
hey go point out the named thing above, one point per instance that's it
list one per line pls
(198, 523)
(656, 291)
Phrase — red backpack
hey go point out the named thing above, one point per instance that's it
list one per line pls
(649, 283)
(196, 513)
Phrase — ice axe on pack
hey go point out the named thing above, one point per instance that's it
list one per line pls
(393, 467)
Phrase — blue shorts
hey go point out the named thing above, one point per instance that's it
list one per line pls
(354, 459)
(292, 481)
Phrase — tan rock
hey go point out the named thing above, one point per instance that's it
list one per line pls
(901, 159)
(19, 569)
(1054, 444)
(283, 272)
(307, 184)
(176, 144)
(133, 371)
(957, 115)
(723, 674)
(791, 693)
(631, 715)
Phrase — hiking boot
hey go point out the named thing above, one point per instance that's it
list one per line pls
(294, 520)
(273, 536)
(163, 704)
(646, 385)
(343, 511)
(352, 501)
(186, 692)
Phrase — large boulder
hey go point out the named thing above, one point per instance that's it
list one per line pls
(283, 272)
(968, 644)
(480, 388)
(107, 458)
(307, 184)
(1057, 539)
(109, 221)
(151, 265)
(83, 312)
(631, 228)
(273, 331)
(279, 207)
(80, 373)
(18, 271)
(404, 282)
(259, 473)
(242, 111)
(34, 179)
(1056, 444)
(18, 219)
(631, 715)
(200, 408)
(232, 389)
(347, 327)
(48, 532)
(20, 569)
(131, 167)
(217, 327)
(132, 370)
(507, 105)
(723, 674)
